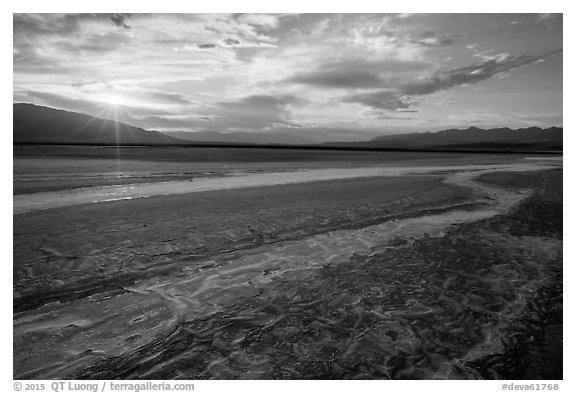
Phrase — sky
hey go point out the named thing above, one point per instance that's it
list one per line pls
(324, 77)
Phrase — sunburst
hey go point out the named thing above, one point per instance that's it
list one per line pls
(113, 100)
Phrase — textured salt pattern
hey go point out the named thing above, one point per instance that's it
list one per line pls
(362, 303)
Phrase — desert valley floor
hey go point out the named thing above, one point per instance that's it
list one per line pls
(135, 263)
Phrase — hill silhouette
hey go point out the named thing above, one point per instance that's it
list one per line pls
(40, 124)
(470, 139)
(240, 137)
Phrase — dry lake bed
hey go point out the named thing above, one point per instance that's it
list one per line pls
(159, 263)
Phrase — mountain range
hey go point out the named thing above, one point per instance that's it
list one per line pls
(39, 124)
(470, 139)
(240, 137)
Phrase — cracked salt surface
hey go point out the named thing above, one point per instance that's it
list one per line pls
(166, 301)
(204, 290)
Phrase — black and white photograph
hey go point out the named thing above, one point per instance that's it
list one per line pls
(287, 196)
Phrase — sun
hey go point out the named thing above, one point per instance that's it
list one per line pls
(113, 100)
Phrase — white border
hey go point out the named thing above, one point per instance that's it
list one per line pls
(306, 6)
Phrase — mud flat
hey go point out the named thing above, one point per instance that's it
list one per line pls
(56, 168)
(52, 200)
(418, 276)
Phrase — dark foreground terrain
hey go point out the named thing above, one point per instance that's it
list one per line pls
(483, 301)
(69, 253)
(295, 281)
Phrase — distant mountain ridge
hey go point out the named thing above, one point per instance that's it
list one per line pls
(240, 137)
(40, 124)
(470, 139)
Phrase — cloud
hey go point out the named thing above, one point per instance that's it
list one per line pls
(206, 46)
(397, 98)
(256, 111)
(32, 25)
(431, 39)
(234, 43)
(472, 74)
(120, 20)
(231, 42)
(251, 113)
(197, 47)
(374, 113)
(291, 125)
(89, 106)
(34, 65)
(385, 99)
(169, 122)
(158, 97)
(225, 43)
(549, 20)
(63, 44)
(435, 42)
(265, 21)
(176, 69)
(339, 79)
(359, 73)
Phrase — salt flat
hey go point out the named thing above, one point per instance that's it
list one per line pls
(222, 280)
(57, 199)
